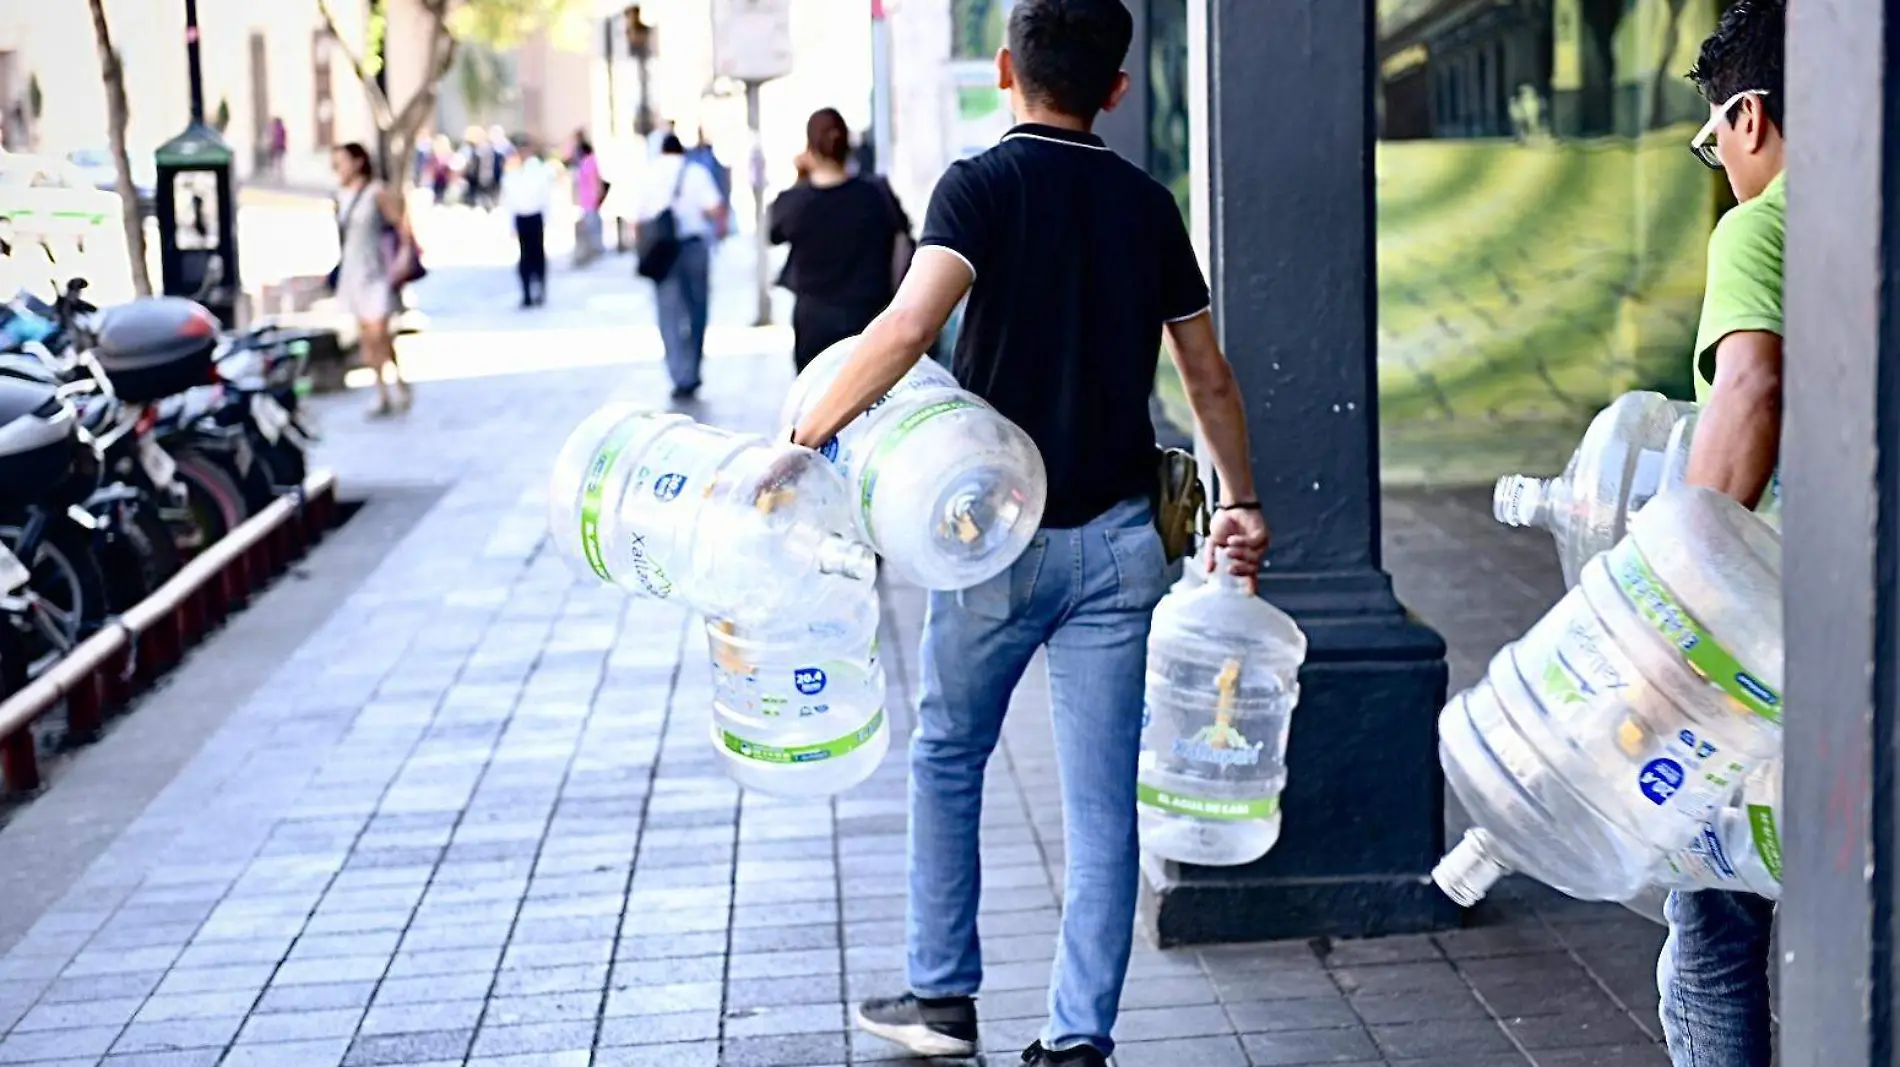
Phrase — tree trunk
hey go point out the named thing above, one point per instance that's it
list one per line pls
(118, 113)
(1660, 77)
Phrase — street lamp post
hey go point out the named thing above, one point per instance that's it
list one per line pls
(195, 70)
(640, 46)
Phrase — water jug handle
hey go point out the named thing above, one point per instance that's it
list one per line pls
(1223, 575)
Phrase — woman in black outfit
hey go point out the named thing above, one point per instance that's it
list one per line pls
(843, 231)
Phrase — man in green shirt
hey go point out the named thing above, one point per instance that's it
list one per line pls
(1713, 974)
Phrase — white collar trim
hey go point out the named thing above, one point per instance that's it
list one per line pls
(1057, 140)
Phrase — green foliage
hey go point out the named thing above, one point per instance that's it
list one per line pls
(502, 24)
(221, 117)
(482, 80)
(376, 34)
(35, 98)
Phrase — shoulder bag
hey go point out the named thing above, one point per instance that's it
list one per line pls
(657, 240)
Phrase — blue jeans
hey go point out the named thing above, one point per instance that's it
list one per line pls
(1085, 594)
(1713, 976)
(684, 298)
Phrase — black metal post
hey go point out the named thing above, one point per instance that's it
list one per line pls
(195, 71)
(1295, 295)
(607, 55)
(1840, 456)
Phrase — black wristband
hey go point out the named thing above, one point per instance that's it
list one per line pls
(1239, 505)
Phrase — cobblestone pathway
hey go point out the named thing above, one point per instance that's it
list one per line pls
(455, 807)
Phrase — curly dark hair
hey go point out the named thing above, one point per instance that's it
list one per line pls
(1068, 53)
(1745, 52)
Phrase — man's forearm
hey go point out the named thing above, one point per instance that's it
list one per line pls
(886, 351)
(1223, 422)
(1736, 448)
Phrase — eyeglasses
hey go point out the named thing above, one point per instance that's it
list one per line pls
(1703, 144)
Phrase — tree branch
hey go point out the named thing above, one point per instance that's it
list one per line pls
(380, 111)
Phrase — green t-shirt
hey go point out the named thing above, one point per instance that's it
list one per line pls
(1744, 289)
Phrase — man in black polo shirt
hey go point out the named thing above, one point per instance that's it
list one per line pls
(1076, 263)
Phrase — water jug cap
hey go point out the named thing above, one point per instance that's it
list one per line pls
(1469, 870)
(1519, 500)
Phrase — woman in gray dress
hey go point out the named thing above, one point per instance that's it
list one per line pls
(366, 209)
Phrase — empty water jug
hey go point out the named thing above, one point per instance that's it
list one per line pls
(1615, 470)
(798, 705)
(1675, 468)
(735, 526)
(946, 489)
(1223, 677)
(1739, 849)
(1599, 743)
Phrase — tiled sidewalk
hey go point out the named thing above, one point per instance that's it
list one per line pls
(473, 817)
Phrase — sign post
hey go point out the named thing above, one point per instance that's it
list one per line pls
(752, 43)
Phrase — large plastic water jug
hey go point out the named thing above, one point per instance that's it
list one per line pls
(947, 490)
(1635, 448)
(734, 526)
(1599, 743)
(1223, 677)
(798, 704)
(1615, 470)
(1739, 849)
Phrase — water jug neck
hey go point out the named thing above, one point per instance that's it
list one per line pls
(1469, 871)
(1224, 578)
(843, 556)
(1520, 500)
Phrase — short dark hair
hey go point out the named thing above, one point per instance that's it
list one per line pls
(1745, 53)
(1068, 53)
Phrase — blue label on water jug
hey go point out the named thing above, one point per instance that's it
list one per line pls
(668, 486)
(830, 450)
(809, 680)
(1659, 780)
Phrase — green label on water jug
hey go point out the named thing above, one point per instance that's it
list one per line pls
(849, 743)
(1761, 820)
(867, 478)
(591, 488)
(1660, 609)
(1205, 807)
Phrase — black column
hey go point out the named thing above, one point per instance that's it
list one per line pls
(1291, 123)
(1840, 456)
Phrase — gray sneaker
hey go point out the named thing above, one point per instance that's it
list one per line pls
(938, 1027)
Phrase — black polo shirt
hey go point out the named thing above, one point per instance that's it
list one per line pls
(1080, 257)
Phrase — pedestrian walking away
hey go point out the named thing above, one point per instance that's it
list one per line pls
(526, 189)
(1077, 265)
(683, 198)
(589, 191)
(1713, 972)
(703, 154)
(367, 210)
(843, 231)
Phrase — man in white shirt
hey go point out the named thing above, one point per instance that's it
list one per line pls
(526, 188)
(684, 295)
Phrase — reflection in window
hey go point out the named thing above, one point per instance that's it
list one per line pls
(1541, 225)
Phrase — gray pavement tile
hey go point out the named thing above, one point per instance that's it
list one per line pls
(330, 971)
(434, 988)
(93, 1041)
(790, 913)
(204, 1057)
(784, 938)
(76, 1015)
(1192, 1052)
(669, 971)
(99, 987)
(1399, 978)
(444, 962)
(536, 1037)
(1276, 1016)
(688, 1054)
(558, 954)
(670, 946)
(1015, 1004)
(1417, 1006)
(327, 1052)
(755, 993)
(1141, 992)
(1159, 1024)
(662, 999)
(579, 1056)
(115, 961)
(178, 1034)
(565, 930)
(333, 946)
(162, 1008)
(1229, 960)
(1289, 984)
(796, 1050)
(1441, 1037)
(1575, 1029)
(320, 1025)
(543, 1008)
(1645, 1055)
(422, 1017)
(651, 924)
(539, 980)
(233, 978)
(785, 964)
(1417, 948)
(316, 997)
(1516, 939)
(674, 1028)
(1340, 1046)
(788, 1019)
(437, 936)
(380, 1051)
